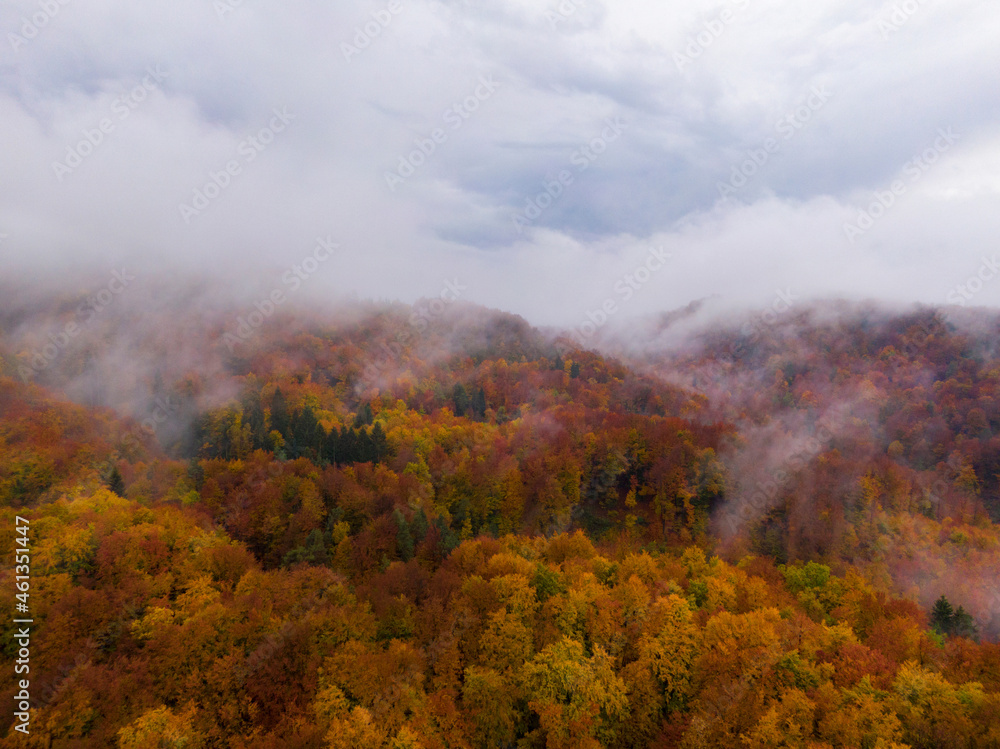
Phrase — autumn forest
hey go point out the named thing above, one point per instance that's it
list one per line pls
(388, 526)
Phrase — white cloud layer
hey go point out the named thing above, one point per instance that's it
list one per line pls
(485, 110)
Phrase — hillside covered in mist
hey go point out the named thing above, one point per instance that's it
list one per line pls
(433, 525)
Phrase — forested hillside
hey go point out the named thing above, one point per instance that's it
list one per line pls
(436, 526)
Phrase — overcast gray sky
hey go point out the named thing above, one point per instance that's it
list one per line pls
(535, 152)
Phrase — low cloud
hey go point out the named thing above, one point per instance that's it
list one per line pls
(76, 89)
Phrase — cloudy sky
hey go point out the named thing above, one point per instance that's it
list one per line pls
(547, 156)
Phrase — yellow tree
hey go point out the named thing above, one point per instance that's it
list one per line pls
(491, 700)
(788, 724)
(859, 717)
(671, 650)
(577, 699)
(738, 652)
(161, 728)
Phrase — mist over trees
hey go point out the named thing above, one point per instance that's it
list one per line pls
(487, 537)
